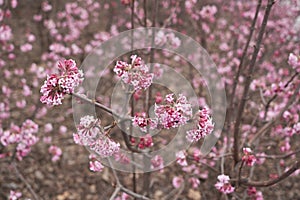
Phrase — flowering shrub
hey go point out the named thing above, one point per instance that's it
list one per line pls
(58, 85)
(223, 184)
(255, 47)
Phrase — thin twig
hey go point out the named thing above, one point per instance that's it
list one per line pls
(113, 196)
(268, 183)
(21, 177)
(280, 156)
(93, 102)
(240, 172)
(248, 82)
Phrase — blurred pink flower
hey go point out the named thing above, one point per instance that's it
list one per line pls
(177, 181)
(248, 157)
(14, 195)
(181, 158)
(56, 152)
(223, 184)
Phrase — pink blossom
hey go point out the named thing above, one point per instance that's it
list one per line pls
(254, 194)
(260, 158)
(13, 135)
(223, 184)
(177, 181)
(181, 158)
(196, 154)
(204, 126)
(96, 166)
(5, 33)
(105, 147)
(48, 128)
(157, 162)
(158, 98)
(90, 133)
(140, 120)
(14, 195)
(248, 157)
(124, 196)
(63, 129)
(194, 182)
(173, 113)
(126, 2)
(87, 129)
(30, 38)
(285, 145)
(208, 12)
(21, 103)
(29, 127)
(294, 61)
(47, 140)
(26, 90)
(37, 18)
(136, 74)
(46, 6)
(58, 85)
(145, 142)
(173, 40)
(56, 152)
(26, 47)
(122, 158)
(14, 3)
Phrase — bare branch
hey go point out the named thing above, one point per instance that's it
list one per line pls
(21, 177)
(268, 183)
(248, 82)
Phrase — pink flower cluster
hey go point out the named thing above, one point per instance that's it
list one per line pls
(208, 12)
(173, 113)
(5, 33)
(167, 39)
(157, 162)
(64, 82)
(177, 182)
(223, 184)
(94, 164)
(204, 127)
(140, 120)
(89, 133)
(145, 142)
(126, 2)
(181, 158)
(136, 73)
(294, 61)
(13, 195)
(23, 136)
(248, 157)
(56, 152)
(254, 194)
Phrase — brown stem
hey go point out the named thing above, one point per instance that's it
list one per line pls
(248, 81)
(280, 156)
(145, 13)
(236, 78)
(21, 177)
(268, 183)
(120, 187)
(240, 171)
(101, 106)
